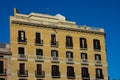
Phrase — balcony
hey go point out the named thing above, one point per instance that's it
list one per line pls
(97, 49)
(86, 76)
(40, 74)
(56, 74)
(55, 59)
(70, 60)
(84, 61)
(98, 63)
(69, 45)
(101, 76)
(83, 48)
(54, 43)
(20, 41)
(70, 75)
(39, 58)
(22, 57)
(3, 72)
(22, 73)
(39, 43)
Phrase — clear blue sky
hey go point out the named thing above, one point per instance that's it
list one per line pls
(96, 13)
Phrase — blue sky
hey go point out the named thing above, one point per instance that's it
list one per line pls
(96, 13)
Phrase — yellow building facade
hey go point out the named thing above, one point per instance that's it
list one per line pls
(46, 47)
(5, 62)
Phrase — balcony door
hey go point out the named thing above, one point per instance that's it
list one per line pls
(21, 36)
(69, 41)
(38, 38)
(85, 72)
(22, 68)
(21, 50)
(70, 71)
(53, 39)
(39, 67)
(55, 70)
(69, 54)
(1, 66)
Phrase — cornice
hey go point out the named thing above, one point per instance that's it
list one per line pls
(56, 27)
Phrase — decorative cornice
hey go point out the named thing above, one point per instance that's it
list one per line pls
(56, 27)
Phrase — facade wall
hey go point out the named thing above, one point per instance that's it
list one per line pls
(30, 48)
(5, 59)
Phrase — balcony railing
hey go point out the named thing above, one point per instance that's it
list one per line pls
(69, 45)
(86, 76)
(55, 59)
(101, 76)
(39, 58)
(22, 41)
(56, 74)
(3, 72)
(70, 75)
(22, 73)
(22, 57)
(97, 49)
(39, 43)
(40, 74)
(70, 60)
(54, 43)
(84, 61)
(98, 63)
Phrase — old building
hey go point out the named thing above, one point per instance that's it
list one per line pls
(46, 47)
(5, 64)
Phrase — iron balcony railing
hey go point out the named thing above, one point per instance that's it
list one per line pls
(39, 73)
(98, 62)
(54, 43)
(85, 76)
(56, 74)
(84, 61)
(70, 60)
(39, 43)
(55, 59)
(99, 76)
(22, 57)
(69, 45)
(39, 58)
(3, 72)
(20, 41)
(71, 75)
(22, 73)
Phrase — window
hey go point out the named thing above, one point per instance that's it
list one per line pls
(53, 39)
(99, 73)
(70, 71)
(1, 67)
(69, 54)
(38, 38)
(39, 67)
(83, 56)
(96, 44)
(22, 68)
(54, 53)
(2, 78)
(39, 52)
(21, 50)
(69, 41)
(85, 72)
(2, 45)
(21, 36)
(55, 70)
(97, 57)
(83, 43)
